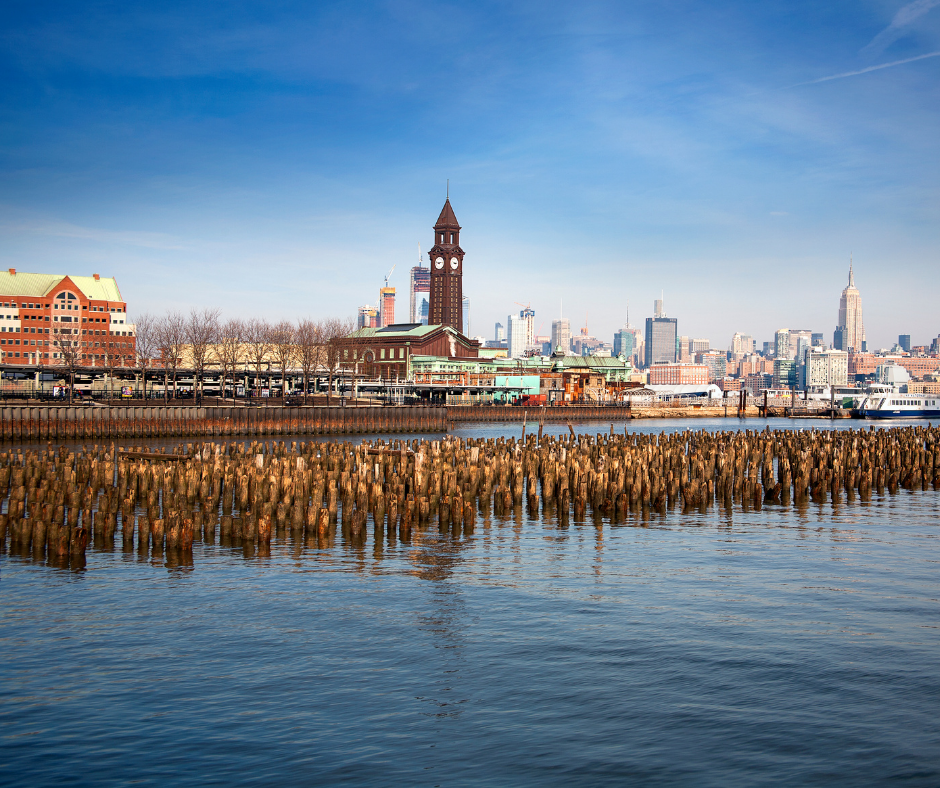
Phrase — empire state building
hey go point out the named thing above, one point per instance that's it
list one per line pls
(850, 330)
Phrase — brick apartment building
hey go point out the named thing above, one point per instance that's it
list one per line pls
(38, 309)
(679, 375)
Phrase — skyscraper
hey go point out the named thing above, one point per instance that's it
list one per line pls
(561, 335)
(904, 340)
(850, 330)
(386, 306)
(528, 315)
(419, 288)
(517, 336)
(623, 343)
(660, 340)
(500, 332)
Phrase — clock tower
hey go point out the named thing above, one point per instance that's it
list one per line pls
(446, 307)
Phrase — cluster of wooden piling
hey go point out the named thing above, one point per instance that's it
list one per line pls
(41, 422)
(57, 501)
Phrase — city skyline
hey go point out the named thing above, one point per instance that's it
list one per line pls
(734, 156)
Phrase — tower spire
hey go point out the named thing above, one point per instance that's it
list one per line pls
(851, 272)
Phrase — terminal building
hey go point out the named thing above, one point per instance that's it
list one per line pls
(39, 313)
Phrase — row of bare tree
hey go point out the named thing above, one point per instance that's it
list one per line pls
(202, 340)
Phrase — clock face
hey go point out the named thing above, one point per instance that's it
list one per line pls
(439, 263)
(454, 262)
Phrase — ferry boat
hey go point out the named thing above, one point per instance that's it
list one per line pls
(893, 404)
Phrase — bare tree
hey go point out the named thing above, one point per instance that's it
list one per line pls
(171, 341)
(282, 348)
(309, 342)
(65, 340)
(145, 345)
(334, 330)
(202, 331)
(258, 340)
(229, 350)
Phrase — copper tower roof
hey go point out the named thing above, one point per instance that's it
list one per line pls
(447, 219)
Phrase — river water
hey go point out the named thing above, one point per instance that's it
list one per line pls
(775, 647)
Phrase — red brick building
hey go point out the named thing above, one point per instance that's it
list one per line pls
(39, 312)
(678, 374)
(386, 352)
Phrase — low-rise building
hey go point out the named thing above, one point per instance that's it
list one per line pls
(51, 319)
(678, 374)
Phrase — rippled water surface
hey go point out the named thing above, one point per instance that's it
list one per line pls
(785, 646)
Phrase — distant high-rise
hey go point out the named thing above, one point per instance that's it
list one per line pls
(817, 339)
(561, 335)
(386, 306)
(419, 288)
(699, 346)
(517, 336)
(658, 308)
(528, 315)
(850, 330)
(368, 317)
(500, 333)
(660, 340)
(904, 340)
(623, 343)
(741, 344)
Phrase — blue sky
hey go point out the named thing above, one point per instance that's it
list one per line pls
(277, 159)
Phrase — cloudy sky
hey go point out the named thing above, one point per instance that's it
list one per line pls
(278, 159)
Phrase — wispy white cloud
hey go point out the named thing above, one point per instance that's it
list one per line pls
(147, 240)
(866, 70)
(902, 20)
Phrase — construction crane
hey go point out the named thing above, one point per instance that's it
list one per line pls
(389, 274)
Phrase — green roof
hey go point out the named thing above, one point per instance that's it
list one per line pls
(38, 285)
(398, 330)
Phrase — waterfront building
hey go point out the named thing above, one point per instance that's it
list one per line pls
(446, 256)
(757, 382)
(387, 352)
(827, 368)
(561, 335)
(419, 290)
(386, 306)
(850, 329)
(660, 340)
(678, 374)
(40, 313)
